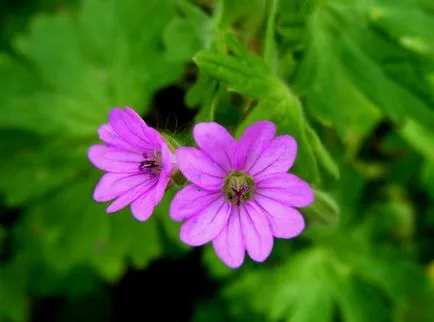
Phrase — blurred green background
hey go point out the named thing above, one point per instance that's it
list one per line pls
(360, 75)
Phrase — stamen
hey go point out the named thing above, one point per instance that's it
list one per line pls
(151, 165)
(238, 188)
(146, 164)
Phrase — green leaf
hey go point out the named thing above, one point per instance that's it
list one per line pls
(211, 100)
(323, 157)
(419, 308)
(409, 24)
(200, 91)
(240, 75)
(397, 101)
(39, 162)
(17, 106)
(421, 138)
(195, 15)
(247, 74)
(81, 66)
(324, 209)
(298, 290)
(181, 40)
(346, 269)
(13, 291)
(344, 54)
(397, 213)
(288, 117)
(360, 302)
(270, 46)
(427, 177)
(215, 102)
(73, 229)
(76, 66)
(247, 13)
(200, 26)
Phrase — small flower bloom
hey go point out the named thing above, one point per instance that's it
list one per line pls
(241, 194)
(138, 162)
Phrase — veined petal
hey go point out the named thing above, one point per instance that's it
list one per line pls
(199, 169)
(139, 126)
(229, 244)
(253, 142)
(216, 142)
(128, 130)
(111, 138)
(286, 188)
(143, 206)
(285, 222)
(130, 196)
(279, 156)
(97, 154)
(207, 224)
(160, 188)
(190, 201)
(136, 122)
(290, 227)
(167, 159)
(112, 185)
(165, 174)
(115, 154)
(256, 232)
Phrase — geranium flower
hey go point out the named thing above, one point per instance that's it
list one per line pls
(138, 162)
(241, 194)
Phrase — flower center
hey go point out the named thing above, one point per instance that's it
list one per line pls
(151, 164)
(238, 187)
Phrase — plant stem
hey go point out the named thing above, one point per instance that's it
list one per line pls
(269, 41)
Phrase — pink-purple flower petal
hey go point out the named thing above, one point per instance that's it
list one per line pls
(190, 201)
(122, 125)
(112, 185)
(139, 127)
(160, 188)
(97, 154)
(285, 221)
(242, 196)
(167, 159)
(253, 142)
(287, 227)
(279, 156)
(143, 206)
(200, 169)
(207, 224)
(130, 196)
(111, 138)
(216, 142)
(229, 245)
(138, 161)
(286, 188)
(256, 232)
(115, 154)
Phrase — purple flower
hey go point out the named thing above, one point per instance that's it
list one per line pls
(138, 162)
(241, 194)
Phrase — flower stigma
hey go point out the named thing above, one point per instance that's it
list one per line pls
(238, 188)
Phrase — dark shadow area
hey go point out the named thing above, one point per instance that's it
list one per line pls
(168, 289)
(168, 112)
(47, 309)
(8, 217)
